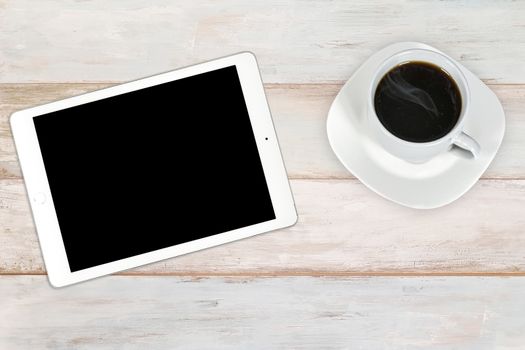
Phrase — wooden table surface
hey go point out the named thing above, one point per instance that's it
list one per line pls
(357, 271)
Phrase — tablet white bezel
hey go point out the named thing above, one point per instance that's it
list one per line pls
(40, 197)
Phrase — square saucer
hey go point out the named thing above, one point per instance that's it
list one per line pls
(432, 184)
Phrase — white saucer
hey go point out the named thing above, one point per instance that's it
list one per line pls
(435, 183)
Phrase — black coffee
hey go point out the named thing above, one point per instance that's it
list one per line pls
(418, 102)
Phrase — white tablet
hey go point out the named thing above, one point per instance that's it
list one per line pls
(152, 169)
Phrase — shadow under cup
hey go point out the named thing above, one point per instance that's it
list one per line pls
(417, 105)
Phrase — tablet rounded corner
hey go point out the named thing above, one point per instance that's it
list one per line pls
(293, 219)
(249, 55)
(54, 282)
(15, 118)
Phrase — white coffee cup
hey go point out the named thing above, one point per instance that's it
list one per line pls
(419, 152)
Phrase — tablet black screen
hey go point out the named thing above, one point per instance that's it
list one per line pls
(153, 168)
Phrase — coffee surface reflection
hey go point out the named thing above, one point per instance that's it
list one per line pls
(418, 102)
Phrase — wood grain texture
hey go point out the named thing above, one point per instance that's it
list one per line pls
(305, 49)
(343, 229)
(295, 41)
(299, 113)
(280, 313)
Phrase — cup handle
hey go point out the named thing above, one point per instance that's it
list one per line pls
(467, 143)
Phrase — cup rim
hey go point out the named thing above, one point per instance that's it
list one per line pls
(465, 99)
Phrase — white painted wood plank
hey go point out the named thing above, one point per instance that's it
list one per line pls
(343, 229)
(299, 113)
(295, 41)
(269, 313)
